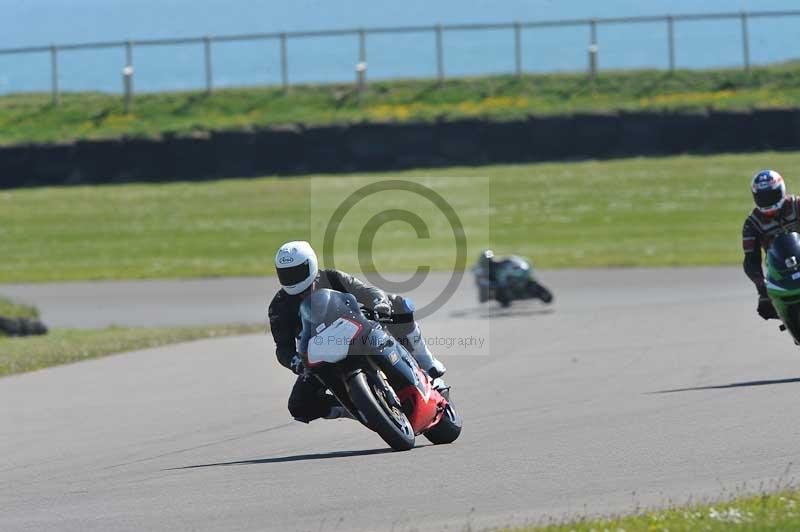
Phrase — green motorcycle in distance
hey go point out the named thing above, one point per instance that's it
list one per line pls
(783, 281)
(512, 279)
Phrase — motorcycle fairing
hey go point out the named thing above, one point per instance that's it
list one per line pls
(783, 280)
(423, 404)
(394, 360)
(332, 343)
(321, 309)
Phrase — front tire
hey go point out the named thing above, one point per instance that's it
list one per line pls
(792, 321)
(540, 292)
(393, 427)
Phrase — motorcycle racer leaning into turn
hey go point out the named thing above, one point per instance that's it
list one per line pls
(299, 274)
(775, 212)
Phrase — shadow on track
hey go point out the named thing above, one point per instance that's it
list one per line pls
(745, 384)
(499, 312)
(292, 458)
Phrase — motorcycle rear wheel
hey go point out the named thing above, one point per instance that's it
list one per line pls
(448, 429)
(503, 296)
(483, 294)
(393, 427)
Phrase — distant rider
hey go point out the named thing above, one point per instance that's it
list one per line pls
(488, 266)
(486, 272)
(507, 279)
(775, 212)
(299, 275)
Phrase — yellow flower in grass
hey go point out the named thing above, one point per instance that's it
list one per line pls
(501, 102)
(390, 111)
(119, 121)
(688, 98)
(467, 107)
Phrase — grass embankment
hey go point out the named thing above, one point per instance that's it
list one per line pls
(675, 211)
(768, 512)
(31, 117)
(62, 346)
(12, 309)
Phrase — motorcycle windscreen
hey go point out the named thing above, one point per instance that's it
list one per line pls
(784, 255)
(518, 263)
(319, 312)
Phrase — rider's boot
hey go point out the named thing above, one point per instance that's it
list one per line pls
(416, 345)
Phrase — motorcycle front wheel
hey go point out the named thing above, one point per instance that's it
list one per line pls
(791, 319)
(540, 292)
(389, 422)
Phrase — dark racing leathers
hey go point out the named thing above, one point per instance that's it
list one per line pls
(757, 234)
(308, 400)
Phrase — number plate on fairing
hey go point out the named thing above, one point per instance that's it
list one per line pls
(333, 342)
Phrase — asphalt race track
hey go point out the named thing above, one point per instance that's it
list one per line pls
(637, 388)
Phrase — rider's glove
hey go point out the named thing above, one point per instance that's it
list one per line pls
(296, 365)
(383, 310)
(765, 309)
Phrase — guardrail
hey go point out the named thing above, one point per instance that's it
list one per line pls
(361, 34)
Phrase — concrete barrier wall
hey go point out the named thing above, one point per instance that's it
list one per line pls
(295, 150)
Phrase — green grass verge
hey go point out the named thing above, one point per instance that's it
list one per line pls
(11, 309)
(762, 513)
(62, 346)
(674, 211)
(31, 117)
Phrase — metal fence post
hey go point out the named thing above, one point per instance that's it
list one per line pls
(671, 42)
(284, 64)
(361, 66)
(54, 74)
(593, 49)
(129, 61)
(517, 48)
(439, 54)
(362, 48)
(207, 53)
(127, 86)
(745, 42)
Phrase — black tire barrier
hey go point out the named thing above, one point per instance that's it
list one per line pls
(295, 149)
(22, 327)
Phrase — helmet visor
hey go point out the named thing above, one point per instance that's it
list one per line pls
(294, 274)
(769, 197)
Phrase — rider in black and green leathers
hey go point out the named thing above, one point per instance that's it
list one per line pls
(775, 212)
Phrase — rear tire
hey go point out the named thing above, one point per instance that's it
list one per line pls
(447, 429)
(483, 294)
(503, 296)
(395, 429)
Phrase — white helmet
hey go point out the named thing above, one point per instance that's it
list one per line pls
(296, 264)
